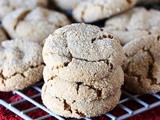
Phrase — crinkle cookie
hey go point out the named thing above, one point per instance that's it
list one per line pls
(3, 35)
(82, 42)
(34, 25)
(83, 68)
(142, 67)
(67, 4)
(21, 64)
(127, 36)
(95, 88)
(94, 10)
(135, 23)
(77, 109)
(7, 6)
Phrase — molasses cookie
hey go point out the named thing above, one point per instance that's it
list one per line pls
(94, 10)
(21, 64)
(33, 25)
(67, 4)
(83, 68)
(6, 6)
(133, 24)
(76, 108)
(142, 67)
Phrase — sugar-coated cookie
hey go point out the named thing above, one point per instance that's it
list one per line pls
(95, 88)
(83, 70)
(7, 6)
(21, 64)
(142, 67)
(67, 4)
(133, 24)
(82, 42)
(94, 10)
(78, 109)
(34, 25)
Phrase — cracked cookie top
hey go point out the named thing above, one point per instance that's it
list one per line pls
(67, 4)
(94, 10)
(77, 108)
(138, 18)
(7, 6)
(21, 64)
(127, 36)
(82, 42)
(137, 22)
(18, 56)
(3, 35)
(82, 89)
(34, 25)
(142, 71)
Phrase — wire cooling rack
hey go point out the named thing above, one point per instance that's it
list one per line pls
(129, 105)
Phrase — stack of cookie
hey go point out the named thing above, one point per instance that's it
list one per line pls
(83, 73)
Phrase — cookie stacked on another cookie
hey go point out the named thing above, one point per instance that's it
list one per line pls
(135, 23)
(83, 74)
(34, 25)
(21, 64)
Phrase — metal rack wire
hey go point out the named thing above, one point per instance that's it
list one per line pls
(124, 105)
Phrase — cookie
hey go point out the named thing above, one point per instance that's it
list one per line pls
(21, 64)
(82, 42)
(3, 35)
(83, 68)
(137, 22)
(6, 6)
(94, 88)
(67, 4)
(142, 67)
(34, 25)
(127, 36)
(94, 10)
(78, 109)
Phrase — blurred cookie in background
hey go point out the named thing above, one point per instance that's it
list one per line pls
(7, 6)
(94, 10)
(133, 24)
(67, 4)
(34, 25)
